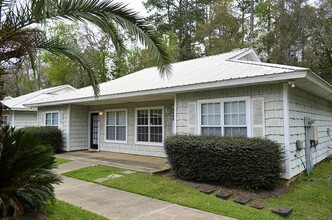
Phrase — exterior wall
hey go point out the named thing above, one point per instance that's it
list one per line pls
(303, 104)
(273, 106)
(63, 120)
(131, 147)
(9, 117)
(25, 119)
(21, 119)
(78, 127)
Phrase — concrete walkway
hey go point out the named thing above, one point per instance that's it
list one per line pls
(139, 163)
(117, 204)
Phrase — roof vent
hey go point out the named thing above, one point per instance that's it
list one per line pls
(7, 98)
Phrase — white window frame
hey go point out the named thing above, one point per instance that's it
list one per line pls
(105, 126)
(162, 125)
(52, 112)
(222, 101)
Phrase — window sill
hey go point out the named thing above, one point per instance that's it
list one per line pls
(150, 143)
(115, 142)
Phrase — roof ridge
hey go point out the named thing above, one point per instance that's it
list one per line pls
(280, 66)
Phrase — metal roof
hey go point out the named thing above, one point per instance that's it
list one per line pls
(202, 71)
(18, 103)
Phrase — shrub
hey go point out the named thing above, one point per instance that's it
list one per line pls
(253, 163)
(26, 177)
(48, 136)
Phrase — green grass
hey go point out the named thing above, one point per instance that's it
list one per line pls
(63, 211)
(310, 200)
(60, 161)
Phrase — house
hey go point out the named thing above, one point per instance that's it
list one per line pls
(19, 116)
(228, 94)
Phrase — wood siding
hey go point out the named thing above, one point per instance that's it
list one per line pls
(79, 127)
(273, 106)
(303, 104)
(63, 120)
(131, 147)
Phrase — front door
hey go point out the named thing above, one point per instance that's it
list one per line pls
(94, 131)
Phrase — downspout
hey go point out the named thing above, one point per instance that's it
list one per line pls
(68, 128)
(175, 114)
(285, 99)
(308, 122)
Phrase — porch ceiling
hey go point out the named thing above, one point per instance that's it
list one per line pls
(143, 98)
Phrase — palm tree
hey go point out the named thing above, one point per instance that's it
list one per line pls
(22, 33)
(26, 177)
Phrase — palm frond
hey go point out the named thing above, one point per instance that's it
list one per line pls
(62, 48)
(105, 13)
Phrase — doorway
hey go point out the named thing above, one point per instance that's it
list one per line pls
(94, 127)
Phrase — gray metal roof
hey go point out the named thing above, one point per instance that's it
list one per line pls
(202, 71)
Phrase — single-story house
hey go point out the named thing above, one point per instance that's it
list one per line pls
(227, 94)
(20, 116)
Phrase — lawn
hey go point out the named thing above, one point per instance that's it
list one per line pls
(62, 211)
(60, 161)
(310, 199)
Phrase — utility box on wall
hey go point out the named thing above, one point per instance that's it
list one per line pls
(314, 133)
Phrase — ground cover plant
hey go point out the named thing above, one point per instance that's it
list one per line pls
(63, 210)
(26, 180)
(310, 199)
(60, 161)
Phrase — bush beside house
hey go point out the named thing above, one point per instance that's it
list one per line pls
(253, 163)
(51, 136)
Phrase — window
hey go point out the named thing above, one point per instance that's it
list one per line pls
(149, 125)
(52, 119)
(228, 118)
(235, 118)
(116, 125)
(5, 119)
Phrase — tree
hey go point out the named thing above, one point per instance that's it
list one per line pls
(180, 17)
(26, 174)
(220, 31)
(22, 33)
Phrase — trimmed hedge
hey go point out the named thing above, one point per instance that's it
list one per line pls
(251, 163)
(48, 136)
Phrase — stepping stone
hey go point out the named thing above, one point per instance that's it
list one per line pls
(100, 180)
(128, 172)
(258, 205)
(224, 195)
(283, 211)
(242, 200)
(207, 189)
(112, 176)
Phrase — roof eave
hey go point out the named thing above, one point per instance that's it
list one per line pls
(265, 79)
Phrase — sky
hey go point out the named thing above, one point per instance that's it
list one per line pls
(137, 5)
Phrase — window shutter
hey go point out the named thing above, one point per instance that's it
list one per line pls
(60, 119)
(192, 118)
(258, 127)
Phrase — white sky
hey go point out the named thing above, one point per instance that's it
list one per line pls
(137, 5)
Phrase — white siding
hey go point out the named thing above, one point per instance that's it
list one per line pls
(25, 119)
(273, 110)
(131, 147)
(21, 118)
(63, 120)
(302, 104)
(79, 126)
